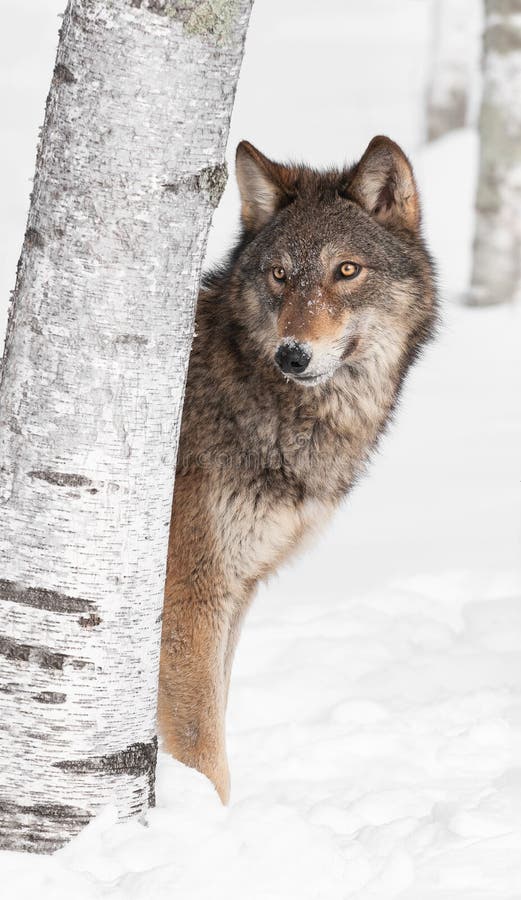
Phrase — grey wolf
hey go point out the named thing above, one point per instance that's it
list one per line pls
(303, 339)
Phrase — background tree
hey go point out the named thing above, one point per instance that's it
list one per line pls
(452, 90)
(128, 172)
(496, 274)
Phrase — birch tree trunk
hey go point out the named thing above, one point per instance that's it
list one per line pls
(128, 172)
(453, 86)
(496, 274)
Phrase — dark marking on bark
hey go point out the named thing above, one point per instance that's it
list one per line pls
(13, 426)
(42, 697)
(13, 650)
(41, 827)
(89, 621)
(34, 325)
(211, 180)
(46, 659)
(41, 598)
(40, 656)
(159, 7)
(504, 7)
(33, 238)
(502, 37)
(136, 759)
(81, 664)
(138, 339)
(449, 115)
(63, 75)
(49, 697)
(60, 479)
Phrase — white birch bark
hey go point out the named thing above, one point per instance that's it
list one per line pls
(129, 170)
(453, 84)
(496, 276)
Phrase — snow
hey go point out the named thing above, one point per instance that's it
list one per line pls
(375, 711)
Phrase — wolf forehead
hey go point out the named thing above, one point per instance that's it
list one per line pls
(368, 212)
(326, 229)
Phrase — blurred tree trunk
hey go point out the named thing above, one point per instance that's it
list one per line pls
(454, 65)
(496, 274)
(128, 173)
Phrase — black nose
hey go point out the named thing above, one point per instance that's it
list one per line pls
(292, 358)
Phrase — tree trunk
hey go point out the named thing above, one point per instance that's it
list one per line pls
(452, 99)
(128, 172)
(496, 274)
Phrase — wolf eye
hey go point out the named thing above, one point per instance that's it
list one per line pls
(278, 273)
(349, 270)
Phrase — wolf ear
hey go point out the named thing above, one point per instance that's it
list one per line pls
(383, 184)
(263, 186)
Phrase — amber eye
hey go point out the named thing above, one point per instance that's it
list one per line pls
(278, 273)
(349, 270)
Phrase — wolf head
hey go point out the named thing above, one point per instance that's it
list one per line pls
(331, 273)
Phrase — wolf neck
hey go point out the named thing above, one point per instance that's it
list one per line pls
(346, 417)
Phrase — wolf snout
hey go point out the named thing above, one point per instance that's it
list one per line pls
(292, 359)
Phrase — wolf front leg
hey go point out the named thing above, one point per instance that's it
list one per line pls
(204, 605)
(192, 691)
(192, 684)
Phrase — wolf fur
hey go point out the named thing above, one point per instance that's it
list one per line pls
(266, 455)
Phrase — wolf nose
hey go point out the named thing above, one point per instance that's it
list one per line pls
(292, 358)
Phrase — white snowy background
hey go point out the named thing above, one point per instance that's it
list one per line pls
(375, 711)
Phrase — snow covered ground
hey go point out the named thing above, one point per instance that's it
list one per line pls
(375, 712)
